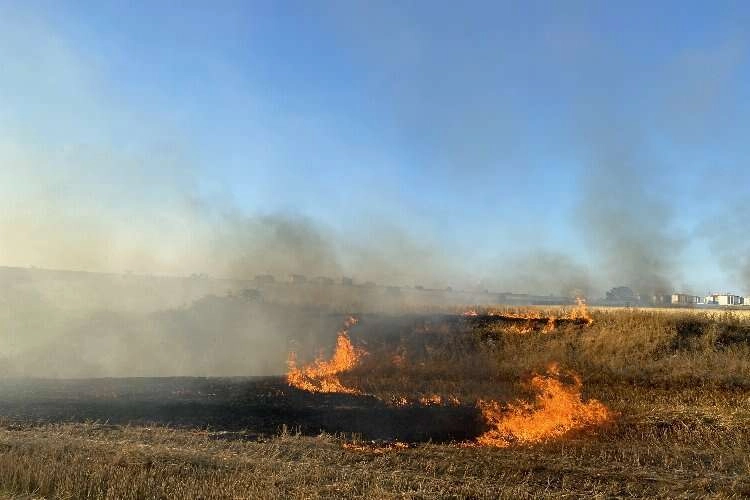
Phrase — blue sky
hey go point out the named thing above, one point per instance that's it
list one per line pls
(470, 138)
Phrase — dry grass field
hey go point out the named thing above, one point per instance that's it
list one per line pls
(675, 386)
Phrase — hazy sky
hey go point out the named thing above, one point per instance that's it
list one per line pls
(463, 141)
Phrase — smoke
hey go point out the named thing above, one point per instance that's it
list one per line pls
(106, 211)
(541, 272)
(641, 197)
(103, 171)
(278, 244)
(624, 221)
(215, 336)
(726, 232)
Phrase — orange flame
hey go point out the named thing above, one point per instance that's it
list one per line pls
(534, 317)
(431, 400)
(399, 401)
(322, 375)
(557, 410)
(438, 400)
(580, 311)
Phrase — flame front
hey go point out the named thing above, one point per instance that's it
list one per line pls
(322, 375)
(530, 320)
(557, 410)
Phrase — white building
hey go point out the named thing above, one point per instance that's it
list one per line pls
(724, 299)
(685, 299)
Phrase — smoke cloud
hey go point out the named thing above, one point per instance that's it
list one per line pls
(626, 225)
(542, 272)
(726, 232)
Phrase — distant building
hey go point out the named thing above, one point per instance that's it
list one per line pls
(729, 300)
(393, 290)
(264, 278)
(662, 299)
(724, 299)
(322, 280)
(684, 299)
(746, 301)
(419, 287)
(297, 279)
(347, 281)
(369, 284)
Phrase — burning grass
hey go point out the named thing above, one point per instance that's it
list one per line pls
(527, 320)
(558, 407)
(322, 375)
(557, 410)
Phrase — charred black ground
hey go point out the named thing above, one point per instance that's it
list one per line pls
(255, 406)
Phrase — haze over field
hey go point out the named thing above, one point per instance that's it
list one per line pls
(403, 144)
(533, 149)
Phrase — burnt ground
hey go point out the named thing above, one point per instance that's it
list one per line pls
(245, 407)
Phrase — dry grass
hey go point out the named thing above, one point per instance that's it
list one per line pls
(679, 383)
(648, 348)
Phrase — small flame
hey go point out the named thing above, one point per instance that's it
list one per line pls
(428, 400)
(580, 311)
(557, 410)
(551, 325)
(322, 375)
(431, 400)
(438, 400)
(400, 401)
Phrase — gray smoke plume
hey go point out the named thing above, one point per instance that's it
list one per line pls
(726, 232)
(625, 223)
(541, 272)
(277, 244)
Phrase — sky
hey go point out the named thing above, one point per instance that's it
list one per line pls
(533, 146)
